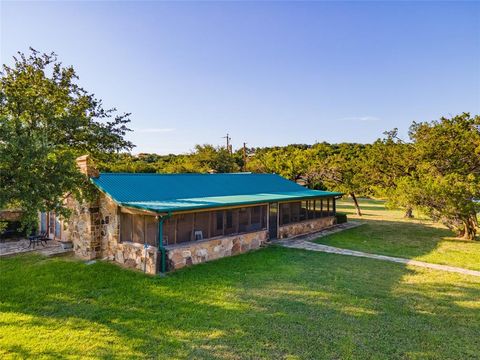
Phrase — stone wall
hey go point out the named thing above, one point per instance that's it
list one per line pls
(181, 255)
(94, 230)
(133, 255)
(305, 227)
(82, 228)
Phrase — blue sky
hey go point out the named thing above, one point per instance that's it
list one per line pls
(269, 73)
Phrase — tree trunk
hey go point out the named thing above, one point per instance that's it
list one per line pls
(357, 207)
(470, 229)
(408, 213)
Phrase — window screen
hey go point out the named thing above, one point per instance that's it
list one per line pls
(303, 210)
(138, 229)
(151, 230)
(257, 221)
(244, 219)
(125, 227)
(184, 228)
(231, 221)
(169, 231)
(202, 223)
(285, 214)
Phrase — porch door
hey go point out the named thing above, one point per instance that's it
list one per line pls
(273, 220)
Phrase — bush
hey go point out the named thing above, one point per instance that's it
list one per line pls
(341, 218)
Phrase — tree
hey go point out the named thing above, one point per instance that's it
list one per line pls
(46, 121)
(446, 184)
(290, 161)
(385, 164)
(340, 171)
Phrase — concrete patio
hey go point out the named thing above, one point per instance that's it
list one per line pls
(14, 247)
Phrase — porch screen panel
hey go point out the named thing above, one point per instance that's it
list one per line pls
(285, 217)
(201, 223)
(304, 211)
(258, 213)
(138, 229)
(217, 223)
(125, 227)
(311, 209)
(231, 221)
(244, 219)
(295, 208)
(151, 230)
(169, 231)
(184, 228)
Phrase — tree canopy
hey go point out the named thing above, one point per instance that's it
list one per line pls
(46, 121)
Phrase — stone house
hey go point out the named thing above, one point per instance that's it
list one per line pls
(163, 222)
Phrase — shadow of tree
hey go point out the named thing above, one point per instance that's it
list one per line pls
(272, 303)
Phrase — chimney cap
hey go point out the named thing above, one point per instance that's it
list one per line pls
(87, 167)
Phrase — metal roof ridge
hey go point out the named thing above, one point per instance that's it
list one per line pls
(183, 174)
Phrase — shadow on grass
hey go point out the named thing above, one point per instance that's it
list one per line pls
(272, 303)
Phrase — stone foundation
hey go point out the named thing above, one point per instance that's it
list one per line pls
(132, 255)
(181, 255)
(305, 227)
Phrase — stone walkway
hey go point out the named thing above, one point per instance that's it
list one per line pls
(10, 248)
(306, 244)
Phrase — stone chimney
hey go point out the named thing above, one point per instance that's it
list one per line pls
(87, 167)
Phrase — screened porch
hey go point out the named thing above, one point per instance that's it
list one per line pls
(193, 226)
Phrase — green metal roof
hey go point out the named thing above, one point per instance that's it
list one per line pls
(181, 192)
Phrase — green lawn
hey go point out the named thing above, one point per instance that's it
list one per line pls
(386, 232)
(274, 303)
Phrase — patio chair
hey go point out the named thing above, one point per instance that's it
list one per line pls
(37, 239)
(43, 238)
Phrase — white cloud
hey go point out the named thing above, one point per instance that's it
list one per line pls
(360, 118)
(155, 130)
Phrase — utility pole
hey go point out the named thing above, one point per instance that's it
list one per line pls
(244, 156)
(229, 147)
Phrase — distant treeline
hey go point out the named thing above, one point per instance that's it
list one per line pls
(436, 171)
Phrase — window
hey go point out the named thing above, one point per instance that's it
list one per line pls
(43, 222)
(58, 228)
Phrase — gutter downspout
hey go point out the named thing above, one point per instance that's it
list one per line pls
(161, 247)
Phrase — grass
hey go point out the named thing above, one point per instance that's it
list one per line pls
(275, 303)
(386, 232)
